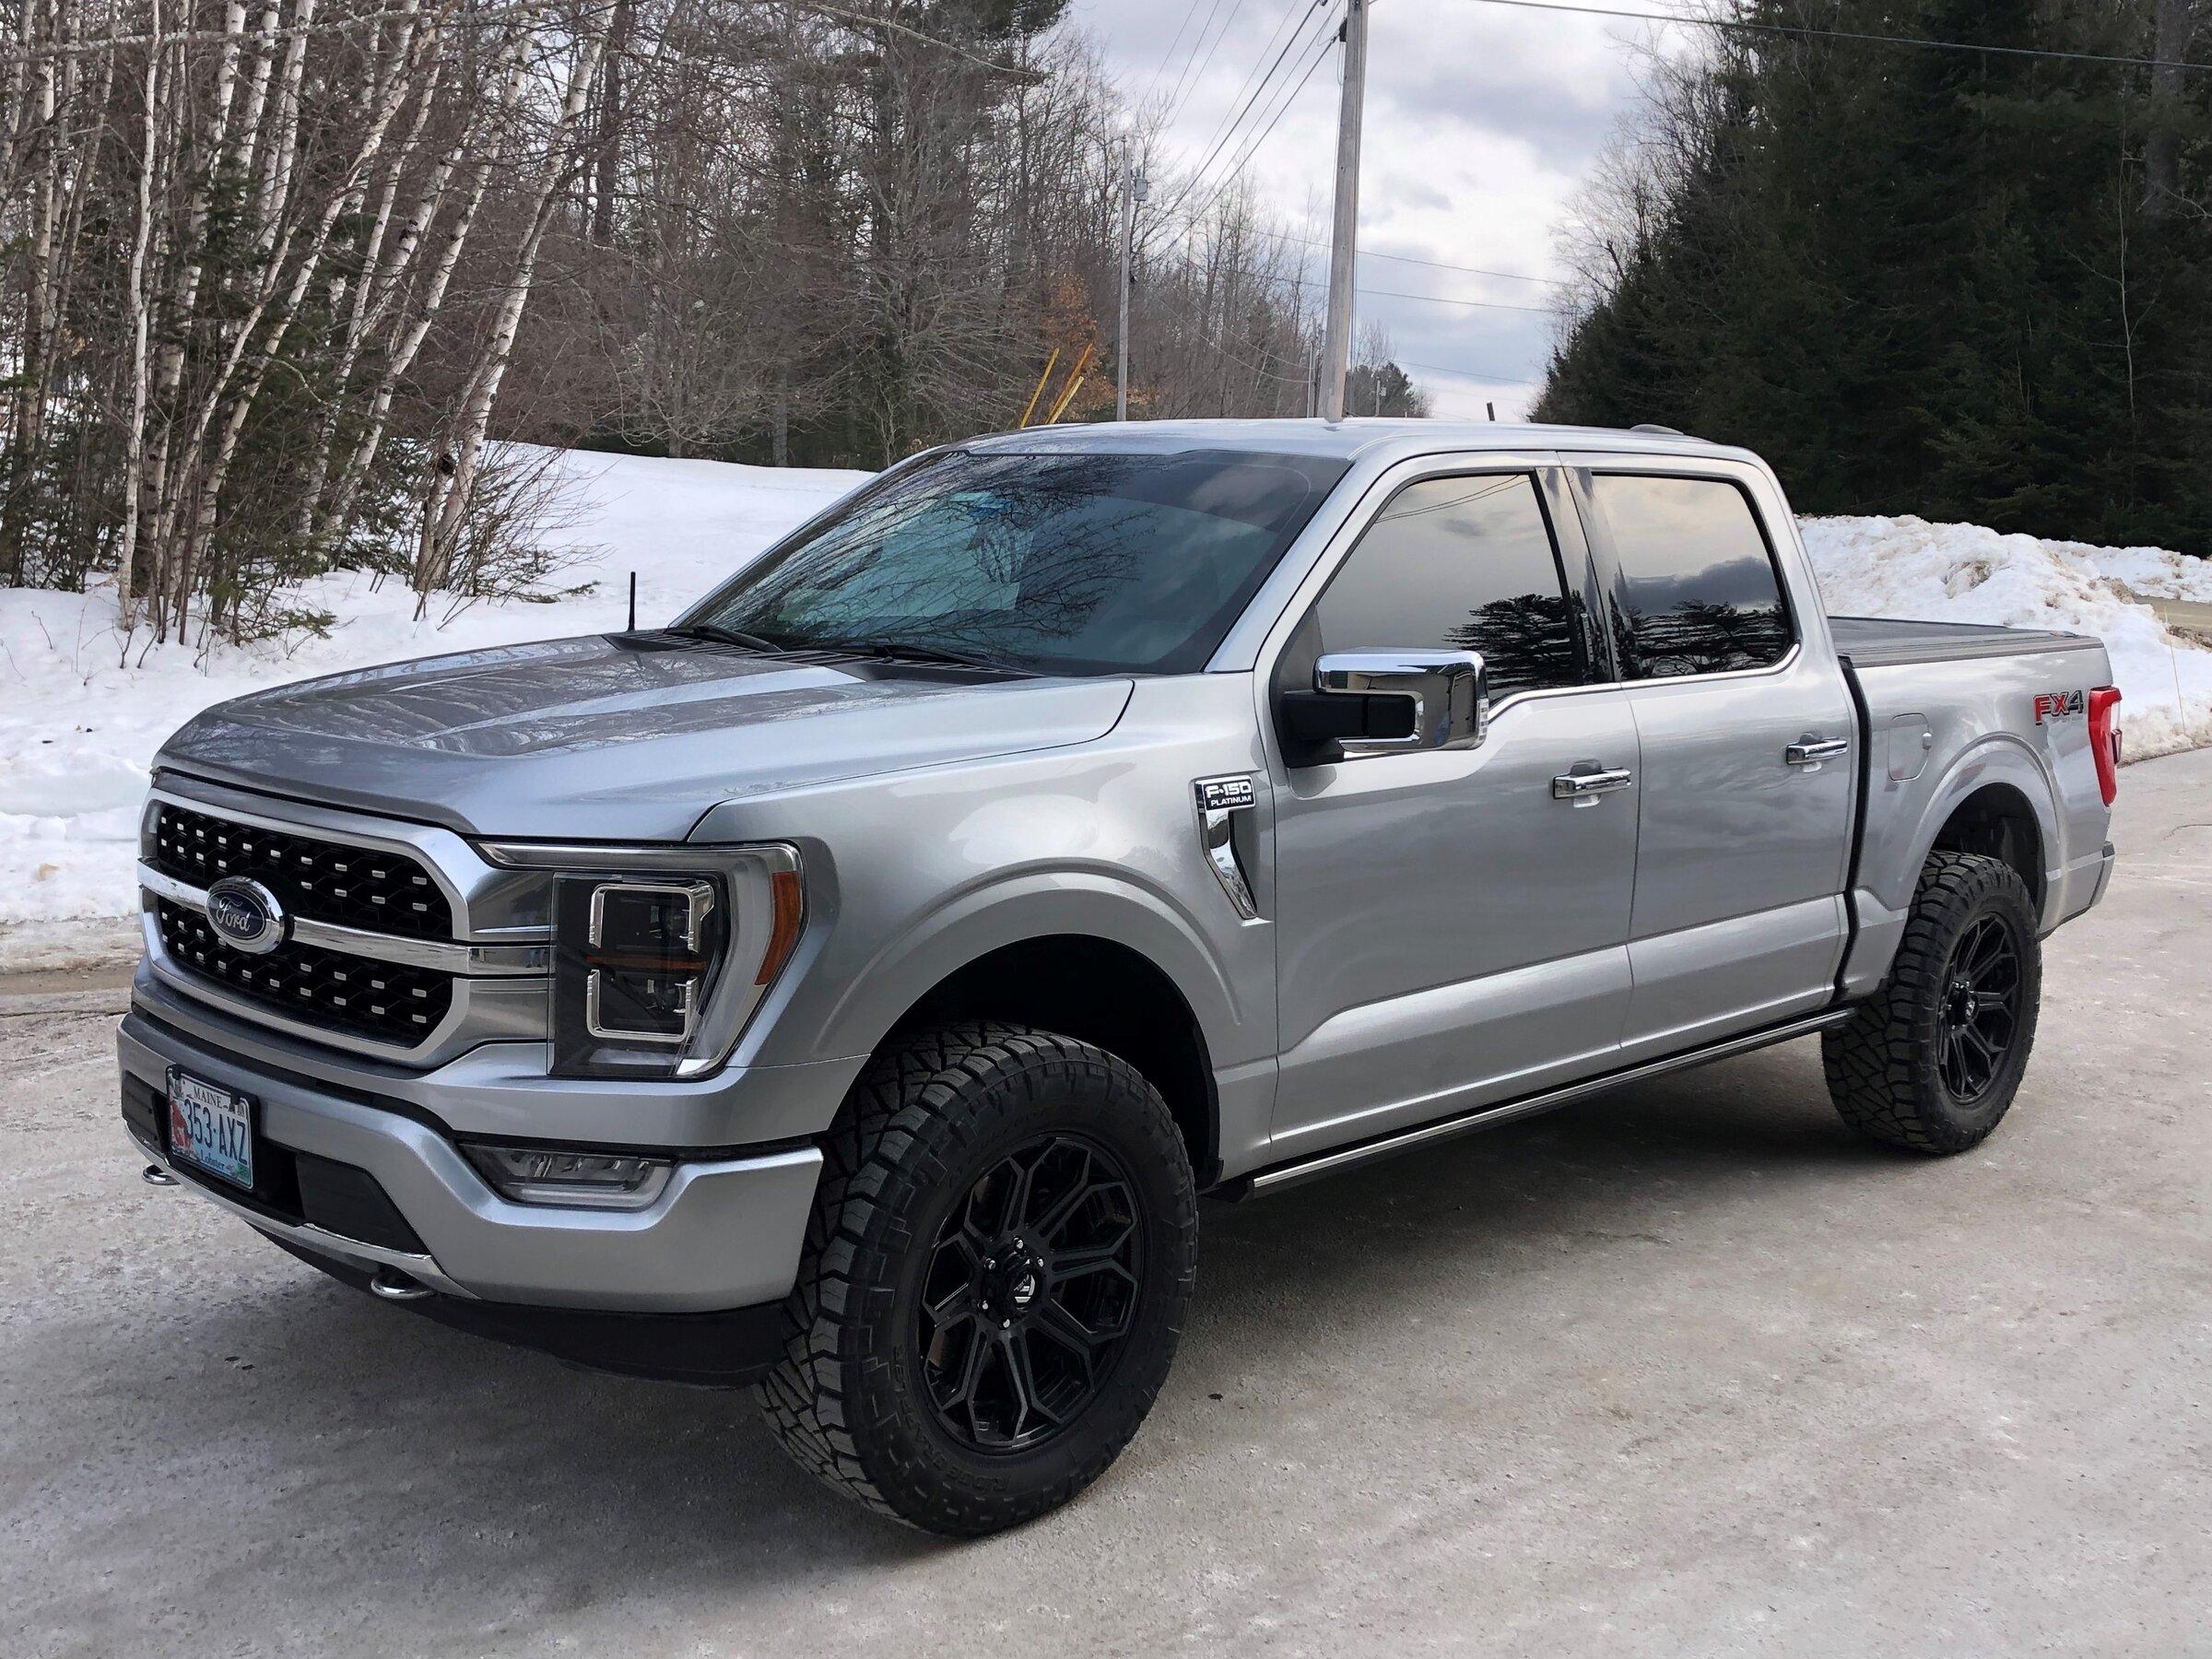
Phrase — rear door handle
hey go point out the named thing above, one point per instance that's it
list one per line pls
(1579, 786)
(1813, 750)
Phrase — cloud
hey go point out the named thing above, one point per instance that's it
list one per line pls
(1482, 120)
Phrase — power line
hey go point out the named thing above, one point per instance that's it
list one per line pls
(1322, 42)
(1176, 106)
(1236, 168)
(1806, 31)
(1189, 12)
(1541, 311)
(1175, 92)
(1258, 92)
(1281, 23)
(1229, 140)
(1434, 265)
(1374, 293)
(1502, 379)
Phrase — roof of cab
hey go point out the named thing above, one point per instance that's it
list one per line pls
(1354, 440)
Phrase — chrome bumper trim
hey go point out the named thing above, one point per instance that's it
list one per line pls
(308, 1237)
(727, 1230)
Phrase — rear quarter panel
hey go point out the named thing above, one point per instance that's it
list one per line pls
(1939, 732)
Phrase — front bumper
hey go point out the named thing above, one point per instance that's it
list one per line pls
(725, 1235)
(708, 1350)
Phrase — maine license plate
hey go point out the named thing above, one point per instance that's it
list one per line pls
(211, 1128)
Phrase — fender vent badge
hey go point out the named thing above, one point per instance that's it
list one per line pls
(1219, 802)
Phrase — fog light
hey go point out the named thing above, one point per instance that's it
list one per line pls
(581, 1180)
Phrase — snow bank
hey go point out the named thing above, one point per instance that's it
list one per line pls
(77, 728)
(1909, 567)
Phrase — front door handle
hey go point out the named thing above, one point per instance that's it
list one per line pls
(1581, 785)
(1811, 751)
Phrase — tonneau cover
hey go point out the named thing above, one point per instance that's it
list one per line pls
(1881, 642)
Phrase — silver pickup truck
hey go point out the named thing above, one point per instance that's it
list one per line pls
(849, 988)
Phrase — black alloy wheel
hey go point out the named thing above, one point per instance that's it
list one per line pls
(995, 1276)
(1031, 1290)
(1981, 997)
(1930, 1063)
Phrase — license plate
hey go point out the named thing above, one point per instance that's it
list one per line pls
(211, 1128)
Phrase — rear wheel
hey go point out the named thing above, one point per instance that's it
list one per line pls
(994, 1279)
(1931, 1062)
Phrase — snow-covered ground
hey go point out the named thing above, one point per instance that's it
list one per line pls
(79, 728)
(1907, 566)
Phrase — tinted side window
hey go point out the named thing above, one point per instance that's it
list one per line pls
(1698, 587)
(1459, 564)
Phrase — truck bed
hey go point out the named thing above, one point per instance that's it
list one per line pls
(1887, 641)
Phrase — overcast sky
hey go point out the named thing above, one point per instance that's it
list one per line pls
(1481, 120)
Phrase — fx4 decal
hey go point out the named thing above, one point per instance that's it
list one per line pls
(2058, 705)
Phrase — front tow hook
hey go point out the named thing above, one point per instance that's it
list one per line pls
(395, 1286)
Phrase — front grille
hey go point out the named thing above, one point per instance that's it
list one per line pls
(367, 887)
(356, 995)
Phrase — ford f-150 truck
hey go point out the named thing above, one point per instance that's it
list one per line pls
(849, 988)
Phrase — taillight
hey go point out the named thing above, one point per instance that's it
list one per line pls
(2105, 739)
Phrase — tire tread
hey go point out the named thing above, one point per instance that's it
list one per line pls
(1878, 1065)
(909, 1111)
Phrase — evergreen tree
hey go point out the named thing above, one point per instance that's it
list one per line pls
(1920, 282)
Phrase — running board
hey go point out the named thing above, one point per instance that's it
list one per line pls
(1405, 1140)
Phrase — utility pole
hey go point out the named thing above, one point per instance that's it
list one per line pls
(1336, 349)
(1133, 192)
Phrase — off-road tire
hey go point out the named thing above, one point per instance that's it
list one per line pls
(1884, 1066)
(931, 1113)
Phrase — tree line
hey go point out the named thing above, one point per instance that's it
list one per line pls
(277, 275)
(1960, 284)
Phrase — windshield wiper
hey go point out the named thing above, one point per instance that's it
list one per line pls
(725, 636)
(895, 651)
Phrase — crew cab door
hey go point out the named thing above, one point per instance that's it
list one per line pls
(1748, 740)
(1451, 922)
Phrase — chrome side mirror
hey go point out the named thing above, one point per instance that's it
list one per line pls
(1410, 700)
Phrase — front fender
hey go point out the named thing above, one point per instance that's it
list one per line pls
(912, 878)
(1039, 904)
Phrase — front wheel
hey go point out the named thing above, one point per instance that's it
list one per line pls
(1931, 1063)
(994, 1278)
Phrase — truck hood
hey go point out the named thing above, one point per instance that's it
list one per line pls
(606, 739)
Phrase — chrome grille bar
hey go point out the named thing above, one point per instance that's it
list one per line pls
(438, 955)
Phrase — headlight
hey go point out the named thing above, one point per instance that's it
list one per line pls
(659, 954)
(648, 950)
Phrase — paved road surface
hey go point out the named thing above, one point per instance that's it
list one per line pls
(1686, 1370)
(2192, 617)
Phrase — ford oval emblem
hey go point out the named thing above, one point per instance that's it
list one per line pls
(245, 915)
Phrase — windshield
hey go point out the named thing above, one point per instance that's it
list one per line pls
(1052, 563)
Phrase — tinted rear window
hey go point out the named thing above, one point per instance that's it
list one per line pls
(1699, 592)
